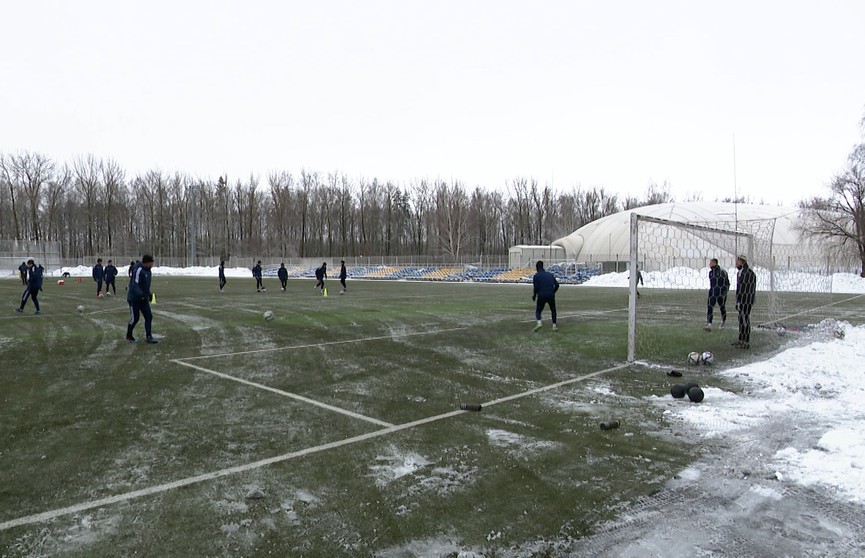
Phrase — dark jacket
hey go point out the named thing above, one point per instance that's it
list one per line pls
(343, 273)
(222, 272)
(256, 271)
(719, 282)
(34, 279)
(110, 273)
(321, 273)
(98, 272)
(746, 286)
(545, 284)
(282, 273)
(139, 286)
(23, 269)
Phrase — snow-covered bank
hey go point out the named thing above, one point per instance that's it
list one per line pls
(687, 278)
(819, 385)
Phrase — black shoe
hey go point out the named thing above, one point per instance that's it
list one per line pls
(744, 345)
(131, 340)
(19, 310)
(736, 344)
(152, 341)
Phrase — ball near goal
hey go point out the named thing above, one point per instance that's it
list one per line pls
(694, 358)
(268, 315)
(707, 358)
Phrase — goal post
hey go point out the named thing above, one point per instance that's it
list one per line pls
(673, 259)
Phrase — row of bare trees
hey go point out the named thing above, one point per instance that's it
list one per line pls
(92, 206)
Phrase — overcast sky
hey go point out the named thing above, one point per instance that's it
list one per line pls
(614, 94)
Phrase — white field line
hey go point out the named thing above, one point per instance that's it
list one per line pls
(554, 386)
(325, 344)
(285, 393)
(77, 508)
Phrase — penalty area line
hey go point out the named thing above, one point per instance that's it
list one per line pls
(554, 386)
(811, 310)
(118, 498)
(286, 394)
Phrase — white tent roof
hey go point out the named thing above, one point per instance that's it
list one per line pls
(608, 237)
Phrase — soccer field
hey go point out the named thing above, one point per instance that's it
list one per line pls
(335, 429)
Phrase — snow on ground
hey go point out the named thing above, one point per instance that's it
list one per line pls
(194, 271)
(687, 278)
(819, 385)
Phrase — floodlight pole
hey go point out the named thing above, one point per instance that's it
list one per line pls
(632, 290)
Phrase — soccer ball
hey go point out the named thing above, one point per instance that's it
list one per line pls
(838, 332)
(708, 358)
(694, 358)
(781, 331)
(695, 394)
(268, 315)
(80, 309)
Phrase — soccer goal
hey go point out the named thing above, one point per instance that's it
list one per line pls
(673, 262)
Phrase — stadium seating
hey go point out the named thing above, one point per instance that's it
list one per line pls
(565, 275)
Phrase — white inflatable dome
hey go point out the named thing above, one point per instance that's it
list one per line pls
(607, 239)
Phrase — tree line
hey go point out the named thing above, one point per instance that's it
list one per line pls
(92, 206)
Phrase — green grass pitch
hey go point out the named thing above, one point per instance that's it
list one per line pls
(342, 411)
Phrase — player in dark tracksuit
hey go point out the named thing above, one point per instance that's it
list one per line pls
(282, 273)
(222, 280)
(110, 274)
(22, 272)
(746, 290)
(138, 298)
(256, 272)
(98, 276)
(719, 285)
(342, 276)
(34, 285)
(545, 287)
(320, 276)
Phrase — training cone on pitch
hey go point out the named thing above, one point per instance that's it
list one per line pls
(324, 292)
(152, 298)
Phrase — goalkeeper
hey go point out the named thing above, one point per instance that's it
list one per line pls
(719, 285)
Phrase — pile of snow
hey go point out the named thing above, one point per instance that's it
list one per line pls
(687, 278)
(194, 271)
(820, 385)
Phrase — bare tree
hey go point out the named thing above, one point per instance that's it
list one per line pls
(452, 212)
(86, 172)
(113, 176)
(10, 175)
(840, 218)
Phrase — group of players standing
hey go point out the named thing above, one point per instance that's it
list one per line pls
(746, 289)
(138, 294)
(282, 274)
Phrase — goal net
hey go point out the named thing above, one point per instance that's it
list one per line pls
(671, 303)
